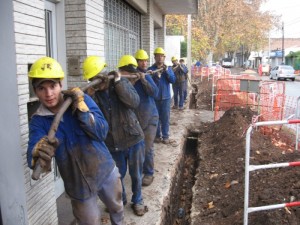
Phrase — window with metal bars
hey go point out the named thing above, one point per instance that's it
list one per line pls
(122, 31)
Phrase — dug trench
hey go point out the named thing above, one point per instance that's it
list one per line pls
(208, 184)
(177, 207)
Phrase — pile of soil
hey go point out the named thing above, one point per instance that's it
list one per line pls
(203, 96)
(219, 188)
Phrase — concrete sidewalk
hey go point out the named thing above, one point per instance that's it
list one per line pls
(166, 161)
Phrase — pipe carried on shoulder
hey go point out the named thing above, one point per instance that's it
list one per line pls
(37, 171)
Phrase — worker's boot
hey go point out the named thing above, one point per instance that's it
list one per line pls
(147, 180)
(157, 140)
(139, 209)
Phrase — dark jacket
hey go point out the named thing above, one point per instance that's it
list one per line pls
(83, 160)
(117, 104)
(163, 82)
(180, 72)
(147, 112)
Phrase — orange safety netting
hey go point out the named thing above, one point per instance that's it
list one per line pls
(270, 102)
(209, 72)
(228, 94)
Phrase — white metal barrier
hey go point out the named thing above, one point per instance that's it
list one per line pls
(249, 168)
(297, 126)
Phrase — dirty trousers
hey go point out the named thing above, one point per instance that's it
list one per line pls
(134, 156)
(149, 132)
(87, 212)
(163, 108)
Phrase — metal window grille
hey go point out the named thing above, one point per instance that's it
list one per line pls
(49, 33)
(122, 31)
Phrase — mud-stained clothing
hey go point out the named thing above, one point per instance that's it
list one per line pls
(118, 104)
(180, 72)
(125, 139)
(163, 99)
(82, 157)
(148, 116)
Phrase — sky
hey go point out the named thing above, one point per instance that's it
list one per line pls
(289, 10)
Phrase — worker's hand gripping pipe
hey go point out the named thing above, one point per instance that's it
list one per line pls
(67, 102)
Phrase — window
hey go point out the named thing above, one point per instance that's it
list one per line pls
(49, 33)
(122, 31)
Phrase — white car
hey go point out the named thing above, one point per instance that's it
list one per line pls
(283, 72)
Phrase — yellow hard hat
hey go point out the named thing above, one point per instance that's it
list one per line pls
(46, 67)
(127, 60)
(159, 50)
(141, 54)
(92, 66)
(173, 58)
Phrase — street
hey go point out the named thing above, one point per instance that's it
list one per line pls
(292, 88)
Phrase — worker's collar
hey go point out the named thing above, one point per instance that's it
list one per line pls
(43, 111)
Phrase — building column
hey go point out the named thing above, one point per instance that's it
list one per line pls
(147, 32)
(161, 34)
(84, 35)
(12, 182)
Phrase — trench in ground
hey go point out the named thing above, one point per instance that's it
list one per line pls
(177, 208)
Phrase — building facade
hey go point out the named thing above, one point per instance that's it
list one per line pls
(69, 31)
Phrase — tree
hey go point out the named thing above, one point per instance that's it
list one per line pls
(176, 24)
(183, 49)
(223, 26)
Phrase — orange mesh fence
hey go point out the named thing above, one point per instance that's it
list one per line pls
(209, 72)
(196, 71)
(270, 102)
(228, 94)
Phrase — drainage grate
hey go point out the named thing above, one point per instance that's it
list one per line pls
(177, 208)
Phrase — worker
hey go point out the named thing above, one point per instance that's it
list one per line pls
(180, 71)
(163, 98)
(84, 162)
(146, 112)
(117, 99)
(185, 86)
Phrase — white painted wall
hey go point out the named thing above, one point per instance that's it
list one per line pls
(12, 190)
(172, 47)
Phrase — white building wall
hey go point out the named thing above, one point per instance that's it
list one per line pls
(12, 191)
(30, 44)
(172, 47)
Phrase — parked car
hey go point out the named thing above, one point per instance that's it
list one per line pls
(283, 72)
(227, 63)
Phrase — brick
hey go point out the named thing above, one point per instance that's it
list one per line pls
(30, 49)
(30, 30)
(23, 99)
(30, 8)
(29, 19)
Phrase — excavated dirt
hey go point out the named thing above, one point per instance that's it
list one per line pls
(219, 187)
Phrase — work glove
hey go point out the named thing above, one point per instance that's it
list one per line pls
(101, 86)
(139, 76)
(149, 72)
(165, 68)
(44, 150)
(142, 76)
(117, 75)
(77, 96)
